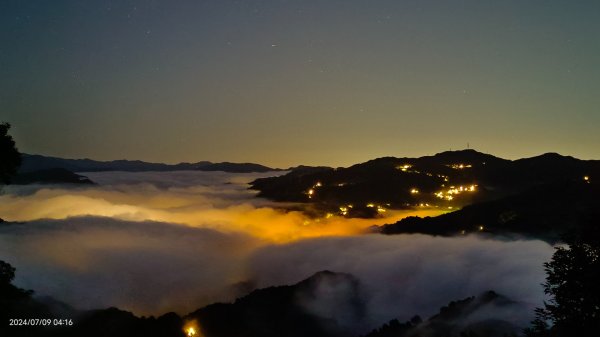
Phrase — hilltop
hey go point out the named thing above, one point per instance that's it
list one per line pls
(448, 180)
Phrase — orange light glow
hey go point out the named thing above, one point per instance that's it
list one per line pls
(191, 329)
(184, 207)
(460, 166)
(404, 168)
(453, 190)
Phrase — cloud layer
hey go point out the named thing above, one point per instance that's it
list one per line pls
(404, 275)
(156, 242)
(214, 200)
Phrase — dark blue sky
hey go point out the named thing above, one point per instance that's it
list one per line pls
(290, 82)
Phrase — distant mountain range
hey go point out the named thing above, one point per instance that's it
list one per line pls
(37, 162)
(37, 169)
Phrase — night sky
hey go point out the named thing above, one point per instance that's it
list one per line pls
(300, 82)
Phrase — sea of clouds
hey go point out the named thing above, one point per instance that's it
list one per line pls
(176, 241)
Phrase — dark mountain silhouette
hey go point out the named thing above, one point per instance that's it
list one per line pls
(282, 311)
(38, 162)
(458, 318)
(275, 311)
(235, 167)
(544, 211)
(50, 176)
(448, 179)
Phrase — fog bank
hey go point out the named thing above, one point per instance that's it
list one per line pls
(177, 241)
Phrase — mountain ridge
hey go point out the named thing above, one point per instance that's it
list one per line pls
(35, 162)
(447, 180)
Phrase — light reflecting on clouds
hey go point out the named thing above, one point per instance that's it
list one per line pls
(158, 242)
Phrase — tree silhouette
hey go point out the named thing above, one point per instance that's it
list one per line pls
(7, 273)
(572, 281)
(10, 158)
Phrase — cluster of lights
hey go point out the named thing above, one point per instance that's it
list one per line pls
(380, 209)
(586, 179)
(404, 168)
(343, 210)
(460, 166)
(311, 191)
(450, 193)
(407, 168)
